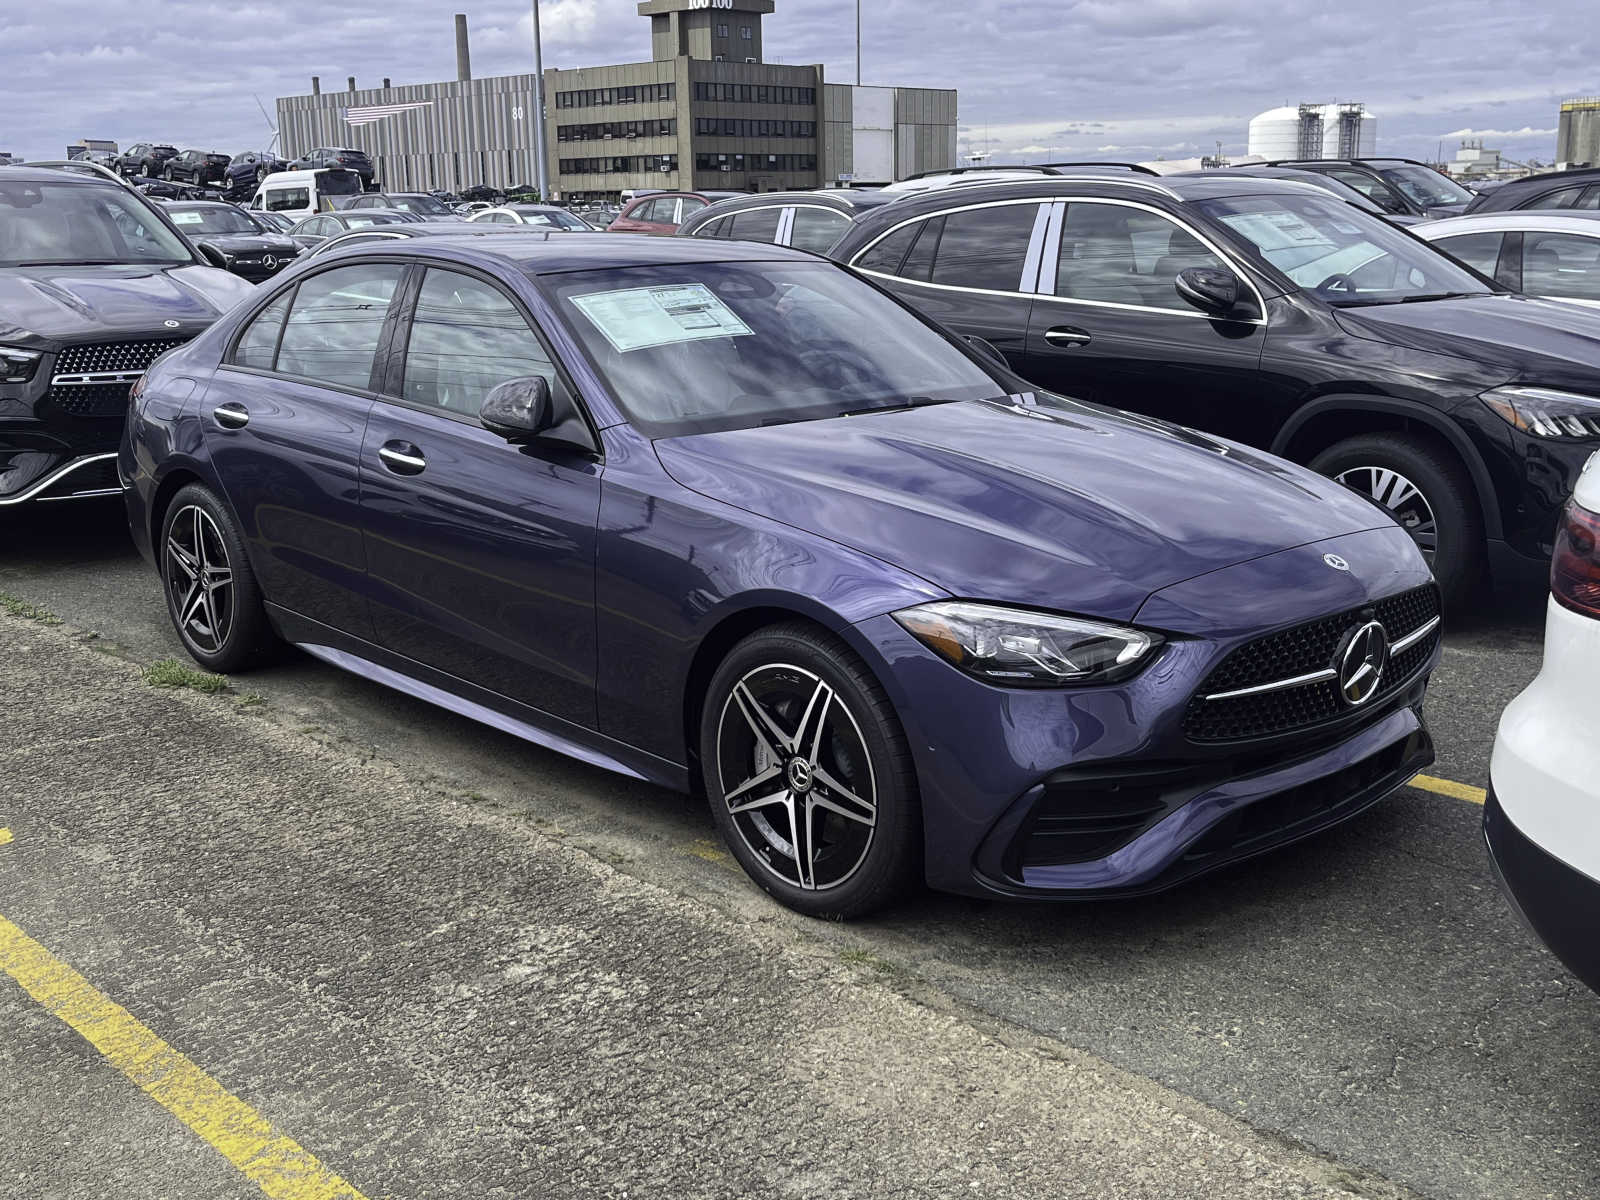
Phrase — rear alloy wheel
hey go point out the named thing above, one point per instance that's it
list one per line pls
(808, 775)
(1426, 489)
(212, 596)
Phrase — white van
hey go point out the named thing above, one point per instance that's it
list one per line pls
(299, 194)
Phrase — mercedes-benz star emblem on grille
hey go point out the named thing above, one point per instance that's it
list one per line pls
(1361, 665)
(170, 324)
(1337, 563)
(269, 262)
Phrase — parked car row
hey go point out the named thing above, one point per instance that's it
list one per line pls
(824, 536)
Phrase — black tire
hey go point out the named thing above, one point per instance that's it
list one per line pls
(166, 173)
(855, 868)
(226, 628)
(1456, 550)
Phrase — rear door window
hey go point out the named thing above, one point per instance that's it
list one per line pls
(817, 229)
(756, 225)
(985, 247)
(1563, 265)
(333, 329)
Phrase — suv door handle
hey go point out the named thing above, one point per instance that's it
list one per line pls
(402, 458)
(231, 415)
(1067, 335)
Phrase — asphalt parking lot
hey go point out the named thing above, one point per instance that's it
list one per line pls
(448, 963)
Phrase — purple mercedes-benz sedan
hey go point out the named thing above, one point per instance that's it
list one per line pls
(729, 517)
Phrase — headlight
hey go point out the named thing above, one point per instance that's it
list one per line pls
(1558, 416)
(17, 365)
(1028, 649)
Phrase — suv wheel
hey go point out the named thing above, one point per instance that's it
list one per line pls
(212, 594)
(1426, 489)
(808, 774)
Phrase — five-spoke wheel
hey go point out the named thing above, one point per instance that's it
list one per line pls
(212, 596)
(808, 775)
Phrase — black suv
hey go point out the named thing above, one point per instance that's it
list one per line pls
(249, 168)
(335, 156)
(1554, 191)
(1277, 315)
(197, 167)
(143, 158)
(1399, 186)
(234, 238)
(95, 282)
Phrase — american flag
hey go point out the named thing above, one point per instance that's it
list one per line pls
(377, 112)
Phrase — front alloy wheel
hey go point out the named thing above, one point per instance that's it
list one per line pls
(808, 775)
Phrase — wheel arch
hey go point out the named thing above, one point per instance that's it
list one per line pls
(173, 482)
(1331, 419)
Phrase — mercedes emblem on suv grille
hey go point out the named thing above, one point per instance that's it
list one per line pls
(1361, 663)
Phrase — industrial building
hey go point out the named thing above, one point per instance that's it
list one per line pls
(1578, 132)
(1314, 131)
(706, 112)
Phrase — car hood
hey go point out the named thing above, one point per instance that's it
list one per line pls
(249, 243)
(1026, 500)
(68, 303)
(1533, 341)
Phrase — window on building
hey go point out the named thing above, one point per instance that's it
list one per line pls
(985, 247)
(331, 334)
(467, 337)
(746, 33)
(817, 229)
(1113, 254)
(722, 31)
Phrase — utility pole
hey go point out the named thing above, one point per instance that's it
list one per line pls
(858, 43)
(541, 167)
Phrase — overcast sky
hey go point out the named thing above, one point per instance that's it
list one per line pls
(1070, 78)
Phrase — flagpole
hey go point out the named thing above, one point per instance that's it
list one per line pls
(541, 167)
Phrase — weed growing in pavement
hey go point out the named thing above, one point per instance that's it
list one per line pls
(169, 672)
(865, 958)
(249, 699)
(28, 612)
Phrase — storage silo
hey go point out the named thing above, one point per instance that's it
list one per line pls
(1314, 131)
(1275, 133)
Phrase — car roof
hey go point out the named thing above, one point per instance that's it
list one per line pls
(1586, 223)
(1178, 188)
(201, 204)
(30, 174)
(548, 252)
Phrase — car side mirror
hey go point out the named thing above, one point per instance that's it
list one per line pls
(213, 256)
(1209, 289)
(987, 349)
(518, 410)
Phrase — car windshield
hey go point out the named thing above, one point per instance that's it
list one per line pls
(77, 223)
(421, 204)
(699, 347)
(1424, 187)
(1345, 256)
(212, 220)
(556, 217)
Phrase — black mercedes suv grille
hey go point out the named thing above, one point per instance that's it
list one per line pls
(92, 379)
(1307, 650)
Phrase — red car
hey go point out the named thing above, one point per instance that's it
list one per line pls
(661, 213)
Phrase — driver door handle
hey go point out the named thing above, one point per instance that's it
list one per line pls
(1067, 335)
(231, 415)
(402, 458)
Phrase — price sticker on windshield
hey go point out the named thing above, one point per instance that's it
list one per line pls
(639, 318)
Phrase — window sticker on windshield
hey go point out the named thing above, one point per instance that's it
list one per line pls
(1274, 230)
(186, 218)
(639, 318)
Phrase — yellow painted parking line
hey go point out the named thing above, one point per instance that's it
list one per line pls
(275, 1163)
(5, 837)
(1449, 787)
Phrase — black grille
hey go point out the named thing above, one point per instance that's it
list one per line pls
(91, 358)
(1305, 650)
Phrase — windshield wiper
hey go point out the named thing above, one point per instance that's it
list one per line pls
(1441, 296)
(895, 406)
(1375, 301)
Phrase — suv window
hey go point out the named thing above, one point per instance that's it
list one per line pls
(467, 337)
(332, 332)
(919, 260)
(756, 225)
(887, 255)
(1113, 254)
(1480, 251)
(258, 345)
(817, 229)
(1561, 264)
(660, 211)
(691, 205)
(1373, 188)
(985, 247)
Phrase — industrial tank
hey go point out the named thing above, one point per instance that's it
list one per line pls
(1314, 131)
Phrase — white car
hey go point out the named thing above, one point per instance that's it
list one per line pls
(1553, 255)
(1542, 816)
(540, 216)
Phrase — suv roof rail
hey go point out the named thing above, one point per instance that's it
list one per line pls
(1362, 161)
(1120, 180)
(83, 166)
(1138, 168)
(1043, 170)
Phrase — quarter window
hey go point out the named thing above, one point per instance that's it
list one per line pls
(1565, 198)
(467, 337)
(1562, 265)
(985, 247)
(817, 229)
(1480, 251)
(258, 345)
(1117, 255)
(888, 254)
(919, 262)
(334, 326)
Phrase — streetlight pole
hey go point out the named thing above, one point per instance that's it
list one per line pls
(858, 42)
(540, 166)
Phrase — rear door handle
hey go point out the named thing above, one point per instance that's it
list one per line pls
(402, 458)
(231, 415)
(1067, 335)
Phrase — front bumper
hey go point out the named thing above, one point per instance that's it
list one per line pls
(1558, 902)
